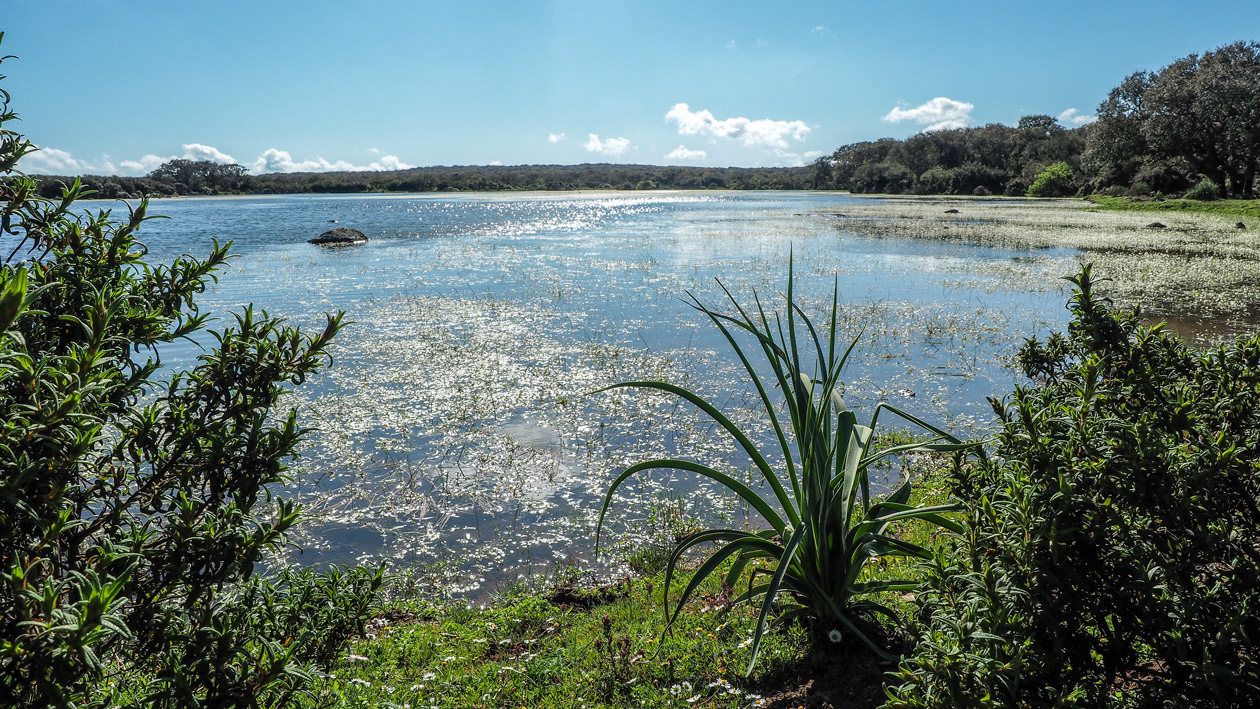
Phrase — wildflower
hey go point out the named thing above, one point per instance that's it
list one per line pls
(834, 636)
(362, 682)
(356, 658)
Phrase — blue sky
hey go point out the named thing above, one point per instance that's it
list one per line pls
(119, 86)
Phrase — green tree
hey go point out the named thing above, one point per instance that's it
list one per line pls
(202, 175)
(1199, 115)
(1056, 180)
(134, 510)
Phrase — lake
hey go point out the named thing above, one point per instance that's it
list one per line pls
(459, 432)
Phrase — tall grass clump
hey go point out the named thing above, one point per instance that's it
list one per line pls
(823, 525)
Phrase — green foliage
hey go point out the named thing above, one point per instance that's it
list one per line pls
(1110, 551)
(1238, 207)
(133, 511)
(958, 161)
(1194, 116)
(1056, 180)
(826, 527)
(530, 648)
(1205, 191)
(202, 176)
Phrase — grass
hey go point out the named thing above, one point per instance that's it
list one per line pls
(560, 642)
(1237, 207)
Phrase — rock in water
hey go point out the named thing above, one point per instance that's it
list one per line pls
(1155, 225)
(951, 211)
(1240, 225)
(341, 236)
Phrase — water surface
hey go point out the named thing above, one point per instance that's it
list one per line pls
(458, 429)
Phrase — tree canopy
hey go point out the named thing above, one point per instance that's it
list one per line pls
(1197, 117)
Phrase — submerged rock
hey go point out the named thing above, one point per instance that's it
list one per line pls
(1240, 225)
(341, 236)
(951, 211)
(1156, 225)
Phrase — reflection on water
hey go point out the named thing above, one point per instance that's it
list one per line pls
(459, 428)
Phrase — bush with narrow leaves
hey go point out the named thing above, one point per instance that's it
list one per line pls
(1111, 551)
(132, 510)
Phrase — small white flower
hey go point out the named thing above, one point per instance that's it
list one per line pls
(362, 682)
(356, 658)
(835, 636)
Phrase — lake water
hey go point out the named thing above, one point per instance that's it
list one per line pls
(458, 429)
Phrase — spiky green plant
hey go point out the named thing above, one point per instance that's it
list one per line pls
(826, 526)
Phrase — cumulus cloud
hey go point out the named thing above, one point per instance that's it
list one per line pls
(144, 165)
(51, 161)
(1073, 117)
(611, 147)
(206, 153)
(938, 114)
(764, 133)
(276, 160)
(555, 137)
(682, 152)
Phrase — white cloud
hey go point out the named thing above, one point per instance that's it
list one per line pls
(206, 153)
(611, 147)
(938, 114)
(682, 152)
(275, 160)
(495, 162)
(555, 137)
(1074, 117)
(51, 161)
(759, 133)
(730, 44)
(822, 32)
(144, 165)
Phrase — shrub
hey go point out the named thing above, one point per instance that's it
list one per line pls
(827, 527)
(981, 191)
(133, 511)
(1110, 551)
(935, 180)
(1055, 181)
(1205, 191)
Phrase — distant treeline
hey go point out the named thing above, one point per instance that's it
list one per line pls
(993, 159)
(1191, 128)
(186, 177)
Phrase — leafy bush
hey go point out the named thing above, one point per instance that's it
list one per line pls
(1056, 180)
(936, 180)
(827, 526)
(1111, 555)
(1205, 191)
(133, 511)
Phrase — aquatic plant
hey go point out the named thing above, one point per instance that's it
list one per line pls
(826, 526)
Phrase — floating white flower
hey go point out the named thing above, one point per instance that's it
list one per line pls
(835, 636)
